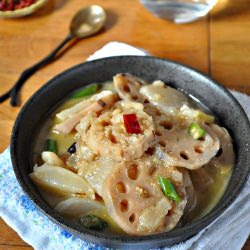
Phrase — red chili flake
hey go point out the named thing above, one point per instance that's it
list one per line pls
(131, 123)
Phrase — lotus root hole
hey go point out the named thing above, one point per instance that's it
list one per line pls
(105, 123)
(98, 197)
(202, 138)
(120, 187)
(166, 125)
(198, 150)
(169, 213)
(158, 113)
(158, 133)
(146, 101)
(124, 206)
(184, 155)
(88, 127)
(219, 153)
(126, 88)
(134, 97)
(152, 170)
(150, 151)
(162, 143)
(112, 138)
(133, 172)
(132, 218)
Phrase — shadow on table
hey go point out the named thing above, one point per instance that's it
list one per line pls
(111, 19)
(230, 8)
(51, 5)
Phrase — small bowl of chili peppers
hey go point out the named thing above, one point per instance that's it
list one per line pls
(19, 8)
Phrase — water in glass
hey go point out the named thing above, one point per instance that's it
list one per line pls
(179, 11)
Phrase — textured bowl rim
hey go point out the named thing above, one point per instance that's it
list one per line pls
(196, 226)
(23, 11)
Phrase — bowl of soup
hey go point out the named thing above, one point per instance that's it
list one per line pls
(131, 151)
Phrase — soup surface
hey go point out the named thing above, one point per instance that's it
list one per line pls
(131, 157)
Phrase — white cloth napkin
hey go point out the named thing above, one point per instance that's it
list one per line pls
(229, 231)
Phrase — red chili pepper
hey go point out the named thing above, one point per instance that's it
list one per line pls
(131, 123)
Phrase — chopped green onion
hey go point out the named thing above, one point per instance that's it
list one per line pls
(93, 222)
(196, 131)
(51, 145)
(168, 189)
(89, 90)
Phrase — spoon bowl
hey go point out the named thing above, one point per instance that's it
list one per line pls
(88, 21)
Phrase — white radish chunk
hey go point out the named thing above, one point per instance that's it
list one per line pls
(61, 181)
(75, 207)
(51, 159)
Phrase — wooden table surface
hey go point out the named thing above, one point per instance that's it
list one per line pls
(218, 44)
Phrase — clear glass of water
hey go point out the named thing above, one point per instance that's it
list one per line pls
(179, 11)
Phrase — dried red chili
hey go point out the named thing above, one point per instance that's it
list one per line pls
(132, 124)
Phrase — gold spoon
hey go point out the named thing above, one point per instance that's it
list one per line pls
(88, 21)
(85, 23)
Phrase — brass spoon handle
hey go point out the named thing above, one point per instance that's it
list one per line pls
(13, 92)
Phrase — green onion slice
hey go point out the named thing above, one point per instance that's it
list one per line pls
(196, 131)
(89, 90)
(51, 145)
(93, 222)
(168, 189)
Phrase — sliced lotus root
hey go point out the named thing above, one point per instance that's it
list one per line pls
(177, 211)
(128, 87)
(190, 190)
(225, 156)
(96, 172)
(178, 148)
(135, 200)
(202, 179)
(107, 136)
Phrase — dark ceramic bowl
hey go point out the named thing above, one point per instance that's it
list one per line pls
(45, 101)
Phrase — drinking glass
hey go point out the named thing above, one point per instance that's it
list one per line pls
(179, 11)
